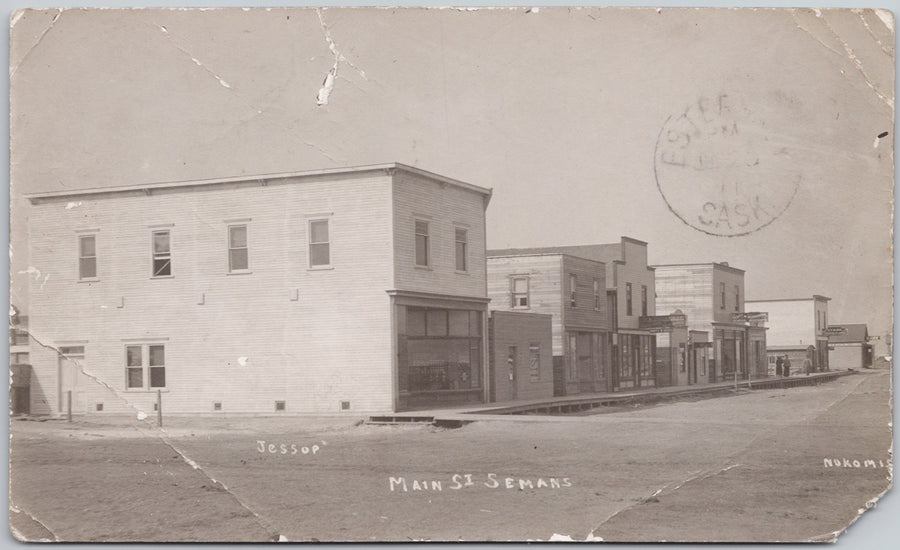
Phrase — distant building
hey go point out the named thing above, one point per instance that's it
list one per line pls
(797, 329)
(355, 289)
(711, 295)
(572, 291)
(849, 347)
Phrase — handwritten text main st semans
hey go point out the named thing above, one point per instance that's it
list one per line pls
(463, 481)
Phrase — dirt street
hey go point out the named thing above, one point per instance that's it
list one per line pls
(788, 465)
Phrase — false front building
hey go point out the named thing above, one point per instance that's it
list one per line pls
(598, 294)
(360, 289)
(711, 295)
(572, 291)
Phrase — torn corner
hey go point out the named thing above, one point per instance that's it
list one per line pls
(14, 19)
(887, 17)
(15, 16)
(871, 503)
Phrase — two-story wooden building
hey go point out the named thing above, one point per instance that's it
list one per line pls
(624, 295)
(630, 287)
(711, 295)
(360, 289)
(797, 330)
(572, 291)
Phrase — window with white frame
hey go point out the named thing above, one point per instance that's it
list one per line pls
(462, 249)
(644, 300)
(238, 251)
(597, 295)
(722, 292)
(145, 366)
(423, 252)
(737, 297)
(162, 253)
(519, 292)
(319, 243)
(628, 299)
(87, 256)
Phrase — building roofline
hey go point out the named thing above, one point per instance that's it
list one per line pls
(387, 168)
(519, 313)
(631, 240)
(813, 297)
(711, 264)
(537, 254)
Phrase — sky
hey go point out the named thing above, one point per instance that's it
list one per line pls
(560, 111)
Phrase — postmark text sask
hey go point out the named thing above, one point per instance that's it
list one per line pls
(722, 170)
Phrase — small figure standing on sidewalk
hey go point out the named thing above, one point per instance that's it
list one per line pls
(787, 366)
(807, 366)
(779, 366)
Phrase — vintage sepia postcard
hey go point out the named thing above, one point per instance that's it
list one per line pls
(449, 274)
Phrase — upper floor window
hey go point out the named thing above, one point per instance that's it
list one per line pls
(519, 291)
(722, 293)
(238, 253)
(462, 249)
(644, 300)
(145, 366)
(423, 252)
(628, 301)
(162, 254)
(737, 297)
(573, 283)
(319, 243)
(597, 295)
(87, 257)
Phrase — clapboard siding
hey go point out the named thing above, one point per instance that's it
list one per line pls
(688, 288)
(633, 270)
(732, 280)
(584, 315)
(292, 324)
(521, 330)
(544, 273)
(444, 207)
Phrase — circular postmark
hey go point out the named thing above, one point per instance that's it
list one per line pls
(722, 169)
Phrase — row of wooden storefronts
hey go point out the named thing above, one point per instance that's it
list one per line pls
(603, 362)
(440, 358)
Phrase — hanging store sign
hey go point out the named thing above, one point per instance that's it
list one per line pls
(750, 316)
(662, 323)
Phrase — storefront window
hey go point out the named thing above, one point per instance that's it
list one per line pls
(646, 358)
(439, 349)
(585, 355)
(626, 365)
(599, 345)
